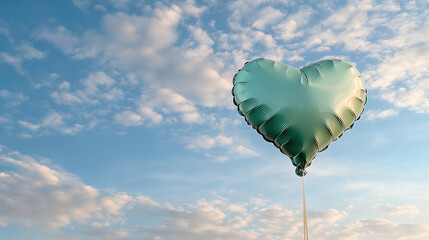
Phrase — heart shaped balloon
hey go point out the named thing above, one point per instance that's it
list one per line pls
(302, 110)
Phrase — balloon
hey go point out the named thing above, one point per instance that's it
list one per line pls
(301, 111)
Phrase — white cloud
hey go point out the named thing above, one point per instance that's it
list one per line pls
(53, 121)
(25, 52)
(388, 73)
(143, 114)
(243, 151)
(294, 25)
(207, 142)
(54, 76)
(190, 8)
(168, 101)
(348, 26)
(379, 229)
(145, 200)
(32, 127)
(100, 7)
(33, 193)
(122, 4)
(94, 80)
(218, 145)
(145, 45)
(407, 210)
(380, 114)
(405, 86)
(128, 118)
(203, 220)
(11, 60)
(97, 87)
(198, 65)
(28, 52)
(267, 16)
(212, 220)
(81, 4)
(4, 31)
(148, 114)
(5, 119)
(61, 38)
(269, 35)
(389, 189)
(159, 106)
(12, 99)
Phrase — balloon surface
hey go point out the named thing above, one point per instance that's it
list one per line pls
(301, 111)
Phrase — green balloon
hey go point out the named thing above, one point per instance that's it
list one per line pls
(301, 111)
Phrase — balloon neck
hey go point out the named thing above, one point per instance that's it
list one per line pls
(300, 171)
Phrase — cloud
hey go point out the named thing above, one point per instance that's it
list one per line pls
(12, 60)
(32, 127)
(214, 220)
(37, 193)
(25, 52)
(121, 4)
(207, 142)
(97, 87)
(168, 101)
(253, 37)
(12, 99)
(28, 52)
(215, 146)
(129, 118)
(294, 26)
(81, 4)
(5, 31)
(408, 210)
(168, 48)
(242, 151)
(380, 114)
(145, 45)
(401, 76)
(405, 86)
(60, 37)
(5, 119)
(160, 106)
(53, 121)
(34, 193)
(388, 74)
(379, 229)
(190, 8)
(100, 7)
(389, 189)
(267, 16)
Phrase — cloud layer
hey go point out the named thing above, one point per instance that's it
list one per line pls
(36, 193)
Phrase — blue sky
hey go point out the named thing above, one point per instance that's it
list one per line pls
(117, 121)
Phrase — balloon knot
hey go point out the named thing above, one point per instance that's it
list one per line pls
(300, 171)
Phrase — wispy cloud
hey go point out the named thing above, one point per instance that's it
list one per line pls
(146, 44)
(161, 105)
(408, 210)
(215, 147)
(96, 87)
(34, 193)
(22, 53)
(380, 114)
(12, 99)
(52, 121)
(46, 195)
